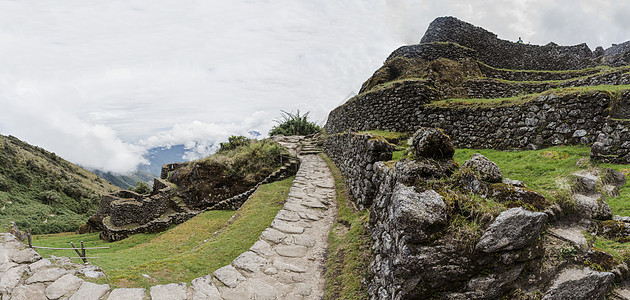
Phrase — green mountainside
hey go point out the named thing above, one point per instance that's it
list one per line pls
(42, 191)
(126, 181)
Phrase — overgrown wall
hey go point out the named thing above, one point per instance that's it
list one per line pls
(544, 121)
(355, 155)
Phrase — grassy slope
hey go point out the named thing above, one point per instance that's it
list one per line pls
(185, 252)
(349, 254)
(42, 191)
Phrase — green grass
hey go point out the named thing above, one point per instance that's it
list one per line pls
(185, 252)
(544, 170)
(349, 254)
(508, 101)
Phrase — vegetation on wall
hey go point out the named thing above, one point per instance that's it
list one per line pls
(294, 124)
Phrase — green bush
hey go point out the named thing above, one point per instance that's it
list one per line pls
(234, 142)
(142, 188)
(294, 124)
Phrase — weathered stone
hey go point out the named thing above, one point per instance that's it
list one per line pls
(284, 266)
(417, 214)
(63, 286)
(580, 284)
(262, 248)
(288, 215)
(273, 235)
(11, 278)
(291, 250)
(90, 290)
(204, 289)
(229, 276)
(26, 255)
(517, 196)
(46, 275)
(38, 265)
(249, 261)
(30, 292)
(432, 143)
(488, 170)
(286, 227)
(127, 294)
(512, 229)
(173, 291)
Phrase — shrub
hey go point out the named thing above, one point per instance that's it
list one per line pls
(294, 124)
(142, 188)
(234, 142)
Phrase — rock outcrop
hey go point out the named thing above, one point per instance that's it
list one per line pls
(423, 219)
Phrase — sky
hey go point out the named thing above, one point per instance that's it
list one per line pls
(100, 82)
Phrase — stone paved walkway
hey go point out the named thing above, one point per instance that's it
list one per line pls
(285, 263)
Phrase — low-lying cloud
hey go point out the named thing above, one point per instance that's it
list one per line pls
(100, 82)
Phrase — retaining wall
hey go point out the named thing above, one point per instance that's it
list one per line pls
(355, 155)
(545, 121)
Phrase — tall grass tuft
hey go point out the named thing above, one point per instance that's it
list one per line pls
(294, 124)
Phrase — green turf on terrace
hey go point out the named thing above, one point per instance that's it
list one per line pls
(184, 252)
(499, 102)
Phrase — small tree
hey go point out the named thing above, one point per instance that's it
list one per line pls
(294, 124)
(234, 142)
(142, 188)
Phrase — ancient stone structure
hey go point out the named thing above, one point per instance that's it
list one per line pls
(414, 256)
(544, 111)
(125, 213)
(285, 263)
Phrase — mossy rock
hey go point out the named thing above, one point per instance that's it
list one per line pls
(513, 196)
(614, 230)
(600, 260)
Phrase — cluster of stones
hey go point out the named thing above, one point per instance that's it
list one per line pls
(355, 155)
(285, 263)
(407, 223)
(25, 275)
(124, 213)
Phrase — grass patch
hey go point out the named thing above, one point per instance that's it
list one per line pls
(190, 250)
(350, 246)
(547, 170)
(508, 101)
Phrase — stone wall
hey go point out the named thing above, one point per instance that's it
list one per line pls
(369, 111)
(355, 155)
(491, 88)
(545, 121)
(524, 75)
(508, 54)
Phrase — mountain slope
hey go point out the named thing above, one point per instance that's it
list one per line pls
(42, 191)
(126, 181)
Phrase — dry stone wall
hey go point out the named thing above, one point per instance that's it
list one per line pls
(490, 88)
(545, 121)
(508, 54)
(355, 155)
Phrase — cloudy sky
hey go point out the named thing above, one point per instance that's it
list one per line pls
(99, 82)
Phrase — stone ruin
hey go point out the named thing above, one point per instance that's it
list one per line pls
(124, 213)
(532, 101)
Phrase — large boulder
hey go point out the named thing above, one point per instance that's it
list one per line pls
(488, 170)
(417, 215)
(512, 229)
(580, 284)
(432, 143)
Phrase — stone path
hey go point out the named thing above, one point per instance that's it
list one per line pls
(287, 261)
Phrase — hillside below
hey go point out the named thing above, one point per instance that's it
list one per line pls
(42, 191)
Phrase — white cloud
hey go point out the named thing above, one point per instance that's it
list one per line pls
(93, 78)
